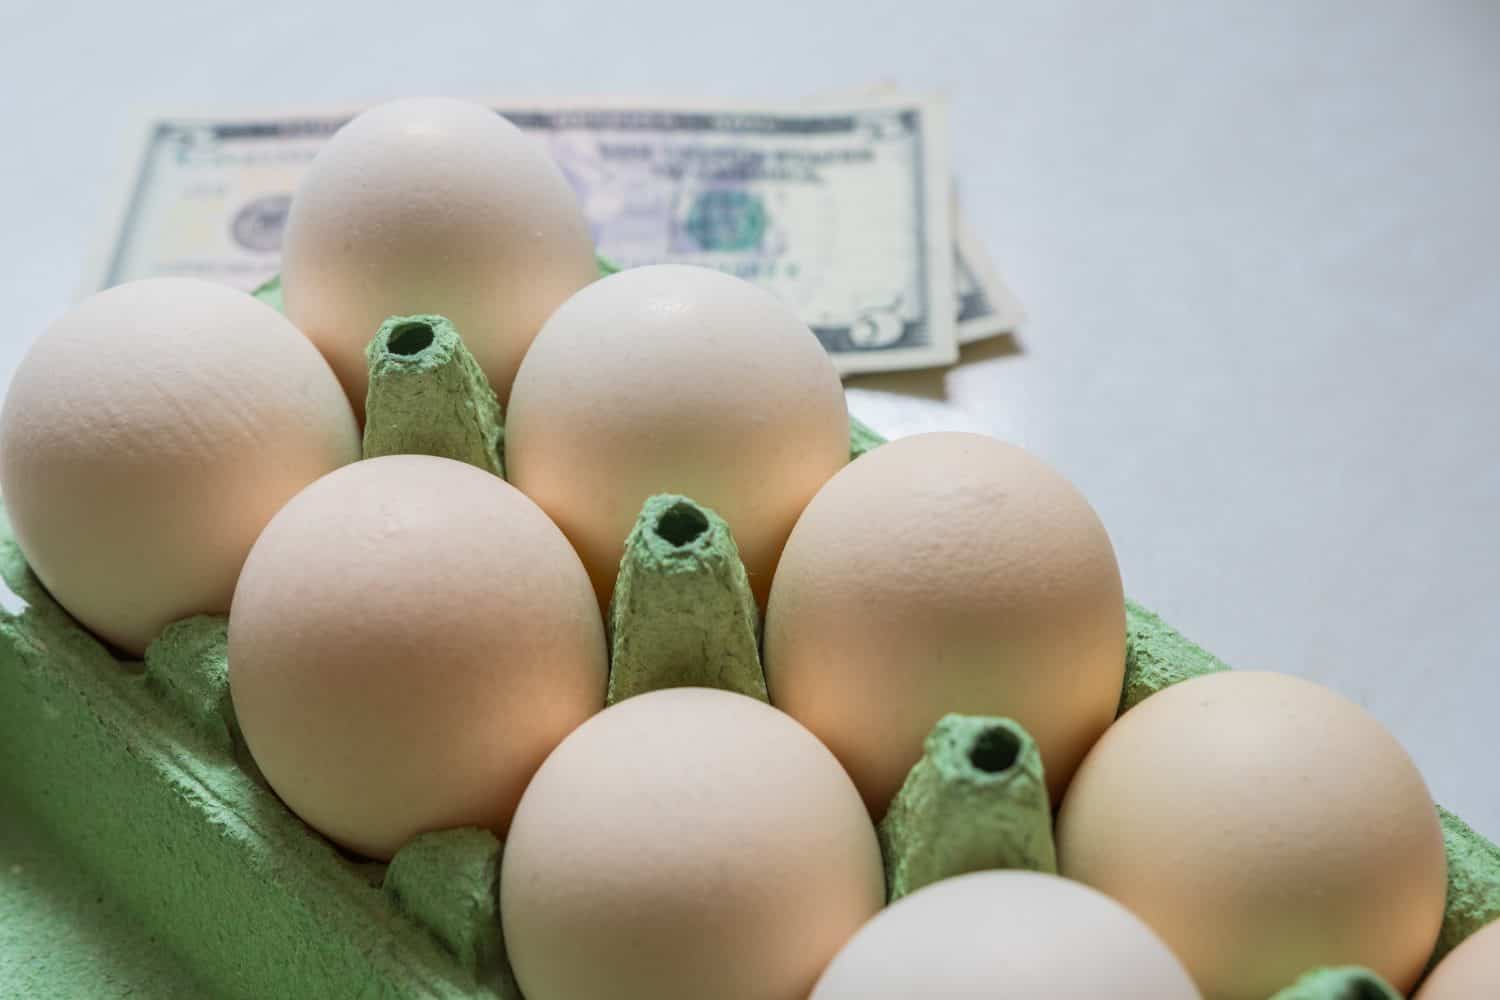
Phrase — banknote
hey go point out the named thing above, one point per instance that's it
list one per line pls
(844, 212)
(986, 305)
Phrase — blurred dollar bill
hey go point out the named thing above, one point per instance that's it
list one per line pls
(844, 211)
(986, 305)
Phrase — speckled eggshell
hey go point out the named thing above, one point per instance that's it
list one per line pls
(1263, 826)
(1468, 972)
(671, 379)
(946, 573)
(432, 205)
(684, 844)
(1005, 935)
(410, 638)
(147, 438)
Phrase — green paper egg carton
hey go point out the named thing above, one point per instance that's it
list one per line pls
(139, 775)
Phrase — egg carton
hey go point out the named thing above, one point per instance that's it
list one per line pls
(140, 772)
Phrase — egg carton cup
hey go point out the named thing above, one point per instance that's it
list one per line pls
(139, 770)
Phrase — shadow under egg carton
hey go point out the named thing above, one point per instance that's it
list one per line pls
(141, 773)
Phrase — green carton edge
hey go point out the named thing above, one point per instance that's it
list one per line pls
(172, 817)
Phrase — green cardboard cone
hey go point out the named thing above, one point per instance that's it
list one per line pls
(976, 800)
(428, 396)
(682, 614)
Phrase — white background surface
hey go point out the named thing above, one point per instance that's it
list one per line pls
(1257, 244)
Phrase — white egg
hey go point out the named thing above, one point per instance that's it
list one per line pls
(686, 844)
(148, 437)
(432, 205)
(946, 573)
(410, 638)
(672, 379)
(1263, 825)
(1005, 935)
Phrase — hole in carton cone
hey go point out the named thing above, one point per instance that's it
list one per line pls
(409, 338)
(681, 523)
(995, 750)
(1364, 988)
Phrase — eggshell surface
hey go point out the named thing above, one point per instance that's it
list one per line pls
(410, 638)
(147, 438)
(670, 379)
(432, 205)
(683, 844)
(946, 573)
(1470, 971)
(1263, 826)
(1005, 935)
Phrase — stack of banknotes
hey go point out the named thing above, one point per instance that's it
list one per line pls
(843, 207)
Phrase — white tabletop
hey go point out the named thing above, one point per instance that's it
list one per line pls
(1256, 241)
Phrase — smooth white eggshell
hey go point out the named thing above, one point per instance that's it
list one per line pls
(1469, 971)
(147, 438)
(672, 379)
(410, 637)
(1264, 826)
(1005, 935)
(432, 205)
(946, 573)
(686, 844)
